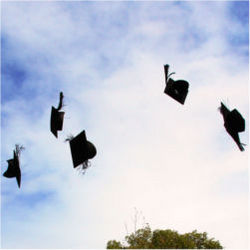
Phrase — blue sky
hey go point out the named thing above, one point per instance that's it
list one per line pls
(173, 163)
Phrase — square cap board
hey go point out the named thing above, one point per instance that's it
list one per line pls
(79, 149)
(56, 121)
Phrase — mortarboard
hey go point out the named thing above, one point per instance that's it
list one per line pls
(13, 169)
(81, 149)
(56, 121)
(178, 90)
(234, 123)
(56, 118)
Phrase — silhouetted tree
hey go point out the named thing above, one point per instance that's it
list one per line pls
(145, 238)
(141, 238)
(113, 244)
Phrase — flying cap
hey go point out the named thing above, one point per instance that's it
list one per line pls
(56, 118)
(56, 121)
(13, 169)
(81, 149)
(178, 90)
(234, 123)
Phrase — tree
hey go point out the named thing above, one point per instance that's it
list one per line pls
(145, 238)
(113, 244)
(140, 239)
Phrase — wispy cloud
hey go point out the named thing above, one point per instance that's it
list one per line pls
(175, 163)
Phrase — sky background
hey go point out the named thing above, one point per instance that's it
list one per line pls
(174, 164)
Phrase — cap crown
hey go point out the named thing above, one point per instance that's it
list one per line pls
(235, 121)
(178, 90)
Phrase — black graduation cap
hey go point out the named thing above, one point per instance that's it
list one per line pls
(81, 149)
(14, 169)
(178, 90)
(56, 118)
(234, 123)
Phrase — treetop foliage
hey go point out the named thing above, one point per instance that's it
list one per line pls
(145, 238)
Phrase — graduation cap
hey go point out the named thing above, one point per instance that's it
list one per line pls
(178, 90)
(234, 123)
(81, 149)
(13, 169)
(56, 118)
